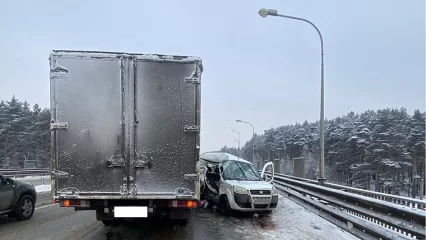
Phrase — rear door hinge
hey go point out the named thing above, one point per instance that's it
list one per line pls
(141, 164)
(115, 161)
(192, 128)
(191, 177)
(193, 80)
(58, 125)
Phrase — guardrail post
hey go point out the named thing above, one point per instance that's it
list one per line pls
(416, 183)
(299, 167)
(42, 180)
(277, 167)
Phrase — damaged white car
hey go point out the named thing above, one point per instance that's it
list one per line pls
(235, 185)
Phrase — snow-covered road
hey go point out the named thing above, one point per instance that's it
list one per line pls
(291, 221)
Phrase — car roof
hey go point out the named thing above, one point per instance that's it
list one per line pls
(219, 157)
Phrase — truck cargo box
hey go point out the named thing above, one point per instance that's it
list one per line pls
(124, 126)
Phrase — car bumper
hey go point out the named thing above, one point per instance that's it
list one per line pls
(249, 203)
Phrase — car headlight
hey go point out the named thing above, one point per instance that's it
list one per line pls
(240, 190)
(275, 191)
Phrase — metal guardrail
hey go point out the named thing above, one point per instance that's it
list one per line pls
(406, 201)
(367, 215)
(15, 173)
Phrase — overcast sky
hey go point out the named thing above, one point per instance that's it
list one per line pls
(265, 71)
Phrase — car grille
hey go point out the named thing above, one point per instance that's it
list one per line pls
(260, 205)
(260, 192)
(262, 200)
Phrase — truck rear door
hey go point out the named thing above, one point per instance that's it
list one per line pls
(87, 107)
(167, 116)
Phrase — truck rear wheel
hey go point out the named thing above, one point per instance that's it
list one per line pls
(106, 219)
(107, 222)
(180, 222)
(111, 222)
(181, 216)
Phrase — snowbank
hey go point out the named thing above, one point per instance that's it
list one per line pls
(32, 177)
(42, 188)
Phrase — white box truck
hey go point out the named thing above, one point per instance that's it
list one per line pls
(125, 133)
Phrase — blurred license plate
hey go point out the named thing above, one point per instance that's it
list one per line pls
(130, 212)
(262, 200)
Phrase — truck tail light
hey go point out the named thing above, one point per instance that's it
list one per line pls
(182, 204)
(74, 203)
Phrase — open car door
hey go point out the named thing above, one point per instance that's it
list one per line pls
(263, 175)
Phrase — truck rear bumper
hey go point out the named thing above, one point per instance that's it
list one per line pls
(109, 209)
(118, 196)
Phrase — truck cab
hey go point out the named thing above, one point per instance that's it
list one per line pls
(235, 185)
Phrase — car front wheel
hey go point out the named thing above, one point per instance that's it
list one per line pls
(25, 208)
(226, 209)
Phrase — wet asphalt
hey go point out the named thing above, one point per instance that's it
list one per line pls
(52, 222)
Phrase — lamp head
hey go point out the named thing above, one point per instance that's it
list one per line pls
(264, 12)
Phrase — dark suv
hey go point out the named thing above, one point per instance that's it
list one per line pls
(17, 198)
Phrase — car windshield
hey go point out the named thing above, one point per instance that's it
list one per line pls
(236, 170)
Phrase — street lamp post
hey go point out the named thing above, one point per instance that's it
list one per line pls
(240, 121)
(237, 132)
(271, 12)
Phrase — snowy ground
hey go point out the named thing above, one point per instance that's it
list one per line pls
(291, 221)
(288, 222)
(32, 178)
(36, 180)
(42, 188)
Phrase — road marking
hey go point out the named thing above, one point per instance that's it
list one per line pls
(45, 206)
